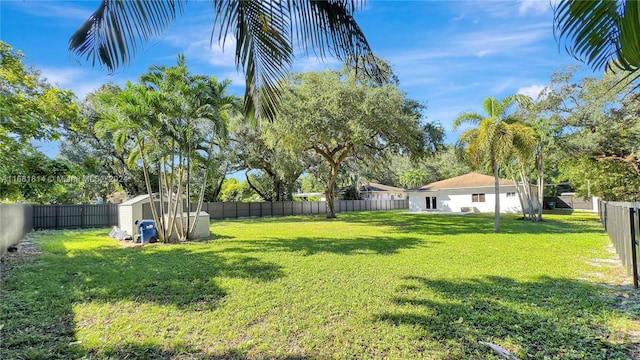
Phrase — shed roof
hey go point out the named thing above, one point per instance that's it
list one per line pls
(137, 199)
(471, 180)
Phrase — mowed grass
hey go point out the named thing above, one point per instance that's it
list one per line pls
(365, 285)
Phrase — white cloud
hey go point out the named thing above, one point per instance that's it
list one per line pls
(534, 6)
(57, 11)
(78, 80)
(484, 53)
(532, 91)
(196, 43)
(303, 62)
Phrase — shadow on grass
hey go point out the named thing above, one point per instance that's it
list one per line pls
(547, 318)
(449, 224)
(36, 300)
(479, 223)
(314, 245)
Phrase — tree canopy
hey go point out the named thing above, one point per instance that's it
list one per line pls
(337, 116)
(30, 109)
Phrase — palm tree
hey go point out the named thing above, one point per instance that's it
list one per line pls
(176, 121)
(265, 32)
(494, 140)
(602, 33)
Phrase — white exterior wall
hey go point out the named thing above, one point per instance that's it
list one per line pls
(125, 217)
(202, 227)
(454, 200)
(129, 212)
(386, 195)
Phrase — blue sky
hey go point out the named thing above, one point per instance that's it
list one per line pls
(447, 54)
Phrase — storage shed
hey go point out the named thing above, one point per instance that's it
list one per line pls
(130, 211)
(202, 227)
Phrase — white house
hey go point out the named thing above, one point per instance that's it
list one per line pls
(470, 192)
(374, 191)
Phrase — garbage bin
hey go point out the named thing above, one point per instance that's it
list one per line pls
(551, 205)
(147, 231)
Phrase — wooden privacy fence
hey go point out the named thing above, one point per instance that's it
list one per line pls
(15, 222)
(622, 223)
(74, 216)
(237, 210)
(91, 216)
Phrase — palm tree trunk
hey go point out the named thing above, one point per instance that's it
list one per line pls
(496, 221)
(527, 190)
(201, 195)
(147, 182)
(540, 185)
(519, 194)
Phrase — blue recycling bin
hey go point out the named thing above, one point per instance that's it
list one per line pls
(147, 231)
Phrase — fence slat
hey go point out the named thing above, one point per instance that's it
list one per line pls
(620, 221)
(104, 215)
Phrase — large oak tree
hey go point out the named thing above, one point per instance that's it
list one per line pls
(338, 115)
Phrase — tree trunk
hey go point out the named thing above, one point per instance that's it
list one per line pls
(192, 228)
(147, 182)
(496, 221)
(214, 196)
(519, 194)
(540, 185)
(333, 175)
(260, 193)
(527, 190)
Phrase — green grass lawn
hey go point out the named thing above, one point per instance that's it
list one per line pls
(365, 285)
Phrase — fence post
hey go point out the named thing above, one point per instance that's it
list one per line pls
(606, 208)
(634, 243)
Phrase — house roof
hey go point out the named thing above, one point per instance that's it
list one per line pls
(471, 180)
(379, 187)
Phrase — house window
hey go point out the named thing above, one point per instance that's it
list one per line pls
(477, 198)
(391, 197)
(431, 202)
(511, 194)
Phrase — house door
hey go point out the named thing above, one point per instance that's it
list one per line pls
(431, 202)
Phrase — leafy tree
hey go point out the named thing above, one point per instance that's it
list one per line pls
(408, 173)
(236, 191)
(93, 150)
(30, 109)
(265, 33)
(335, 115)
(279, 169)
(596, 122)
(495, 139)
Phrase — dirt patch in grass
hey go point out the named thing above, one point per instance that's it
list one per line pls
(626, 297)
(19, 254)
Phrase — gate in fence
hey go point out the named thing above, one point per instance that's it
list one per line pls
(621, 220)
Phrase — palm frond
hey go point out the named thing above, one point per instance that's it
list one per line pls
(112, 35)
(263, 48)
(467, 117)
(589, 30)
(264, 31)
